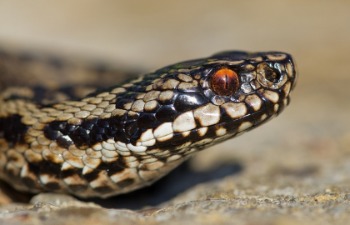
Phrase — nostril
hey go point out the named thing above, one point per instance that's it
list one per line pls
(270, 77)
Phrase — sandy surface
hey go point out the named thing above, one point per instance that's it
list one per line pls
(294, 169)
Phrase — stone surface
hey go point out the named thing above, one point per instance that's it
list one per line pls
(293, 170)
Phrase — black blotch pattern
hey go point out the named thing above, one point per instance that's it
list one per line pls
(147, 120)
(52, 186)
(88, 133)
(111, 168)
(77, 188)
(39, 168)
(188, 101)
(91, 176)
(131, 129)
(69, 172)
(125, 183)
(166, 113)
(13, 130)
(45, 167)
(104, 189)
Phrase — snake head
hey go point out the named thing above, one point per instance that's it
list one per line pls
(206, 101)
(181, 108)
(261, 81)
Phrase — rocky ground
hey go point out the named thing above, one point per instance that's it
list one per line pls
(293, 170)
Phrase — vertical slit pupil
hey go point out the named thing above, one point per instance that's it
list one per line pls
(226, 82)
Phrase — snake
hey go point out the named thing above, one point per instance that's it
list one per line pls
(121, 137)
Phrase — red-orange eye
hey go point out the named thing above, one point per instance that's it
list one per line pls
(224, 82)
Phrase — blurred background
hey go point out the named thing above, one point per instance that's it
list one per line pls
(311, 135)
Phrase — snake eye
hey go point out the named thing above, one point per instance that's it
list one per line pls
(269, 76)
(224, 82)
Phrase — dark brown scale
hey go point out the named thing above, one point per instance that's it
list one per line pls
(166, 113)
(103, 189)
(147, 120)
(188, 101)
(92, 175)
(77, 188)
(64, 142)
(125, 183)
(70, 172)
(131, 128)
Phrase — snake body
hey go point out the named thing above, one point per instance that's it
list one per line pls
(124, 137)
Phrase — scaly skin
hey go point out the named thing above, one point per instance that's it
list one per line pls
(127, 136)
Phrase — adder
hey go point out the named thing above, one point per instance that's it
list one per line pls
(120, 138)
